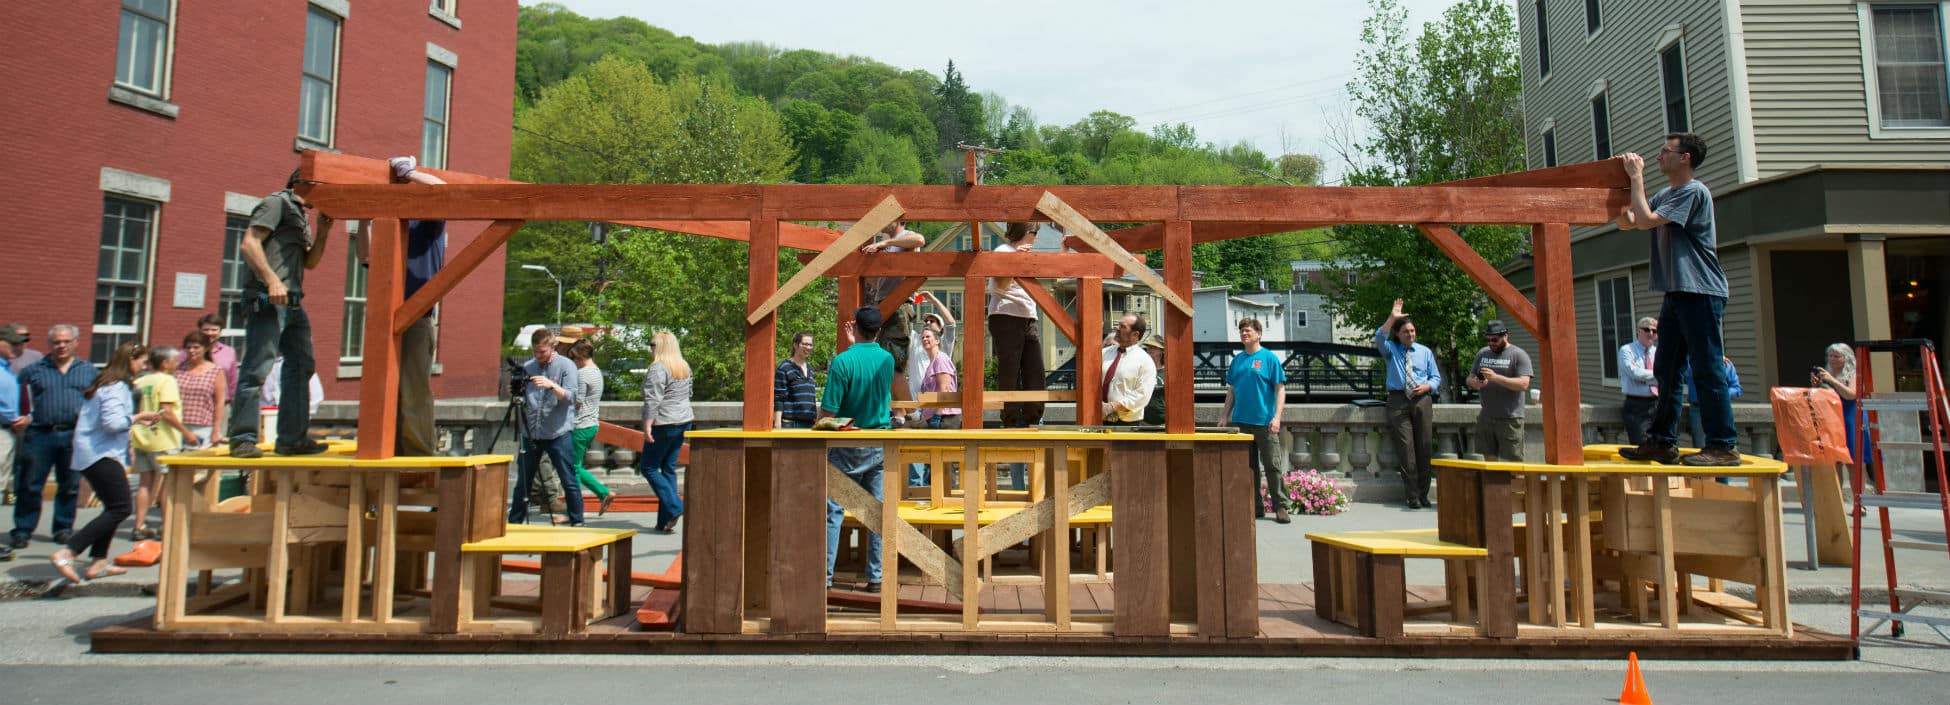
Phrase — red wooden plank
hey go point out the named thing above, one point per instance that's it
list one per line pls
(1604, 173)
(1047, 304)
(900, 295)
(1484, 274)
(1108, 204)
(379, 384)
(1044, 265)
(761, 338)
(849, 302)
(974, 351)
(1085, 335)
(1399, 204)
(463, 263)
(1152, 236)
(1558, 344)
(542, 201)
(1178, 329)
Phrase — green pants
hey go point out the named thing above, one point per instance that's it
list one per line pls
(582, 437)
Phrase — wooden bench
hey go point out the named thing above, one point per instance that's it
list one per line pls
(570, 594)
(1358, 576)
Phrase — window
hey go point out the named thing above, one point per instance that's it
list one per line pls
(230, 290)
(1550, 147)
(319, 85)
(1672, 69)
(122, 274)
(142, 48)
(1908, 86)
(1300, 319)
(1591, 23)
(448, 7)
(1543, 42)
(1600, 127)
(1614, 320)
(433, 122)
(353, 337)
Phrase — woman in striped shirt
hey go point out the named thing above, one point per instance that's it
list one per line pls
(795, 398)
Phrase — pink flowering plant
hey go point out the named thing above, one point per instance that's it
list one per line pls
(1309, 492)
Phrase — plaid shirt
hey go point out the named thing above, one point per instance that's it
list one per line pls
(199, 391)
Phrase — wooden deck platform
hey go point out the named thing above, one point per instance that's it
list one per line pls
(1288, 627)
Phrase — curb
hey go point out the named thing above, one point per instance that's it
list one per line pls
(32, 589)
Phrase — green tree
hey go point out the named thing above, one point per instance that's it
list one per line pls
(1300, 169)
(875, 157)
(1442, 105)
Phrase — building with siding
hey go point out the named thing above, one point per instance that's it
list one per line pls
(1828, 129)
(141, 133)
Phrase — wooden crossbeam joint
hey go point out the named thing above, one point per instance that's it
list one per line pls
(863, 230)
(1080, 226)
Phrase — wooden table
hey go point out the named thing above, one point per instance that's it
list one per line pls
(1649, 528)
(301, 505)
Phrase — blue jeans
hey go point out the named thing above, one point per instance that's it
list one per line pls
(659, 467)
(863, 465)
(1689, 331)
(45, 451)
(918, 473)
(558, 449)
(271, 331)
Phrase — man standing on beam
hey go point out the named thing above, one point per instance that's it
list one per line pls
(277, 249)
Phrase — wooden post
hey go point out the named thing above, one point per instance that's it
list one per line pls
(1178, 329)
(1558, 346)
(974, 356)
(379, 376)
(1090, 357)
(1142, 581)
(849, 302)
(714, 535)
(762, 337)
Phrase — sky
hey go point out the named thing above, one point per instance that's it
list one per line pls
(1269, 72)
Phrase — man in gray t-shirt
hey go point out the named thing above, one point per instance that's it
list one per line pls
(1686, 267)
(278, 247)
(1502, 373)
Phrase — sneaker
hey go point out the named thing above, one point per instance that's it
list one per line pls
(245, 449)
(304, 447)
(602, 505)
(1712, 458)
(17, 541)
(6, 554)
(62, 536)
(871, 589)
(1654, 451)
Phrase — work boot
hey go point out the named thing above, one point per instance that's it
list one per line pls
(303, 447)
(245, 449)
(1280, 515)
(1712, 458)
(1654, 451)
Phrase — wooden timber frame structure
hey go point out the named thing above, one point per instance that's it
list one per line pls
(770, 217)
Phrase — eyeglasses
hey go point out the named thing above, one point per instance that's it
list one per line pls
(1650, 330)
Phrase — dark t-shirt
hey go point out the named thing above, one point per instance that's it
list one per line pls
(284, 248)
(426, 251)
(1498, 402)
(1684, 254)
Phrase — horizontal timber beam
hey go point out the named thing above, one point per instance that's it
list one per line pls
(1398, 205)
(1604, 173)
(972, 264)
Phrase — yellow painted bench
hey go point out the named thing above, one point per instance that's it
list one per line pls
(571, 560)
(1358, 577)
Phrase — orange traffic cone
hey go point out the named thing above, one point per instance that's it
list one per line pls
(1634, 692)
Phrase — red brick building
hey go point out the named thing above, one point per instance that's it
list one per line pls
(137, 135)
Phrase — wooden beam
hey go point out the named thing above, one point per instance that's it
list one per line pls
(974, 351)
(1075, 223)
(1090, 352)
(1604, 173)
(1484, 274)
(793, 235)
(1353, 205)
(955, 264)
(863, 230)
(900, 295)
(620, 436)
(605, 202)
(849, 302)
(379, 382)
(761, 327)
(1178, 331)
(464, 263)
(1558, 347)
(1152, 236)
(1047, 303)
(995, 204)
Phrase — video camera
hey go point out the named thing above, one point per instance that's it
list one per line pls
(517, 375)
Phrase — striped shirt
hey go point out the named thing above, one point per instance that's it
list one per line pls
(589, 396)
(199, 391)
(56, 395)
(793, 393)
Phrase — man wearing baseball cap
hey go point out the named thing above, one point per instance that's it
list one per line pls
(860, 386)
(1502, 373)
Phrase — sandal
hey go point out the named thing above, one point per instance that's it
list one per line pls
(602, 506)
(108, 570)
(65, 566)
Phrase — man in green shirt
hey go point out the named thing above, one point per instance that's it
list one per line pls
(860, 386)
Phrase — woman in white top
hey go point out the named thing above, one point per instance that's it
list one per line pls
(943, 325)
(1018, 342)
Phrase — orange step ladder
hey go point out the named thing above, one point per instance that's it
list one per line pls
(1870, 407)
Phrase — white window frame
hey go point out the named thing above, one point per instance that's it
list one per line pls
(1673, 36)
(1594, 18)
(445, 120)
(1547, 134)
(351, 334)
(235, 205)
(154, 100)
(1871, 91)
(447, 11)
(1543, 40)
(338, 12)
(1598, 286)
(144, 306)
(1599, 89)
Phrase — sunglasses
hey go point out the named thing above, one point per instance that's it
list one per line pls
(1650, 330)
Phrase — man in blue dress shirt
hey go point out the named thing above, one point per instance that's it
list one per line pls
(1412, 383)
(54, 387)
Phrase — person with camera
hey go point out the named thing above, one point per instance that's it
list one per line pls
(1502, 374)
(548, 421)
(1412, 383)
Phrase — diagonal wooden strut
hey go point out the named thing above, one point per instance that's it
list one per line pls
(1037, 518)
(1080, 226)
(932, 561)
(1485, 275)
(900, 295)
(449, 276)
(1047, 303)
(863, 230)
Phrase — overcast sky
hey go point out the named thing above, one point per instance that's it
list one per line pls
(1263, 71)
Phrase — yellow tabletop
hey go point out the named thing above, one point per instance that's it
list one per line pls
(1604, 460)
(956, 435)
(338, 454)
(524, 538)
(1413, 542)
